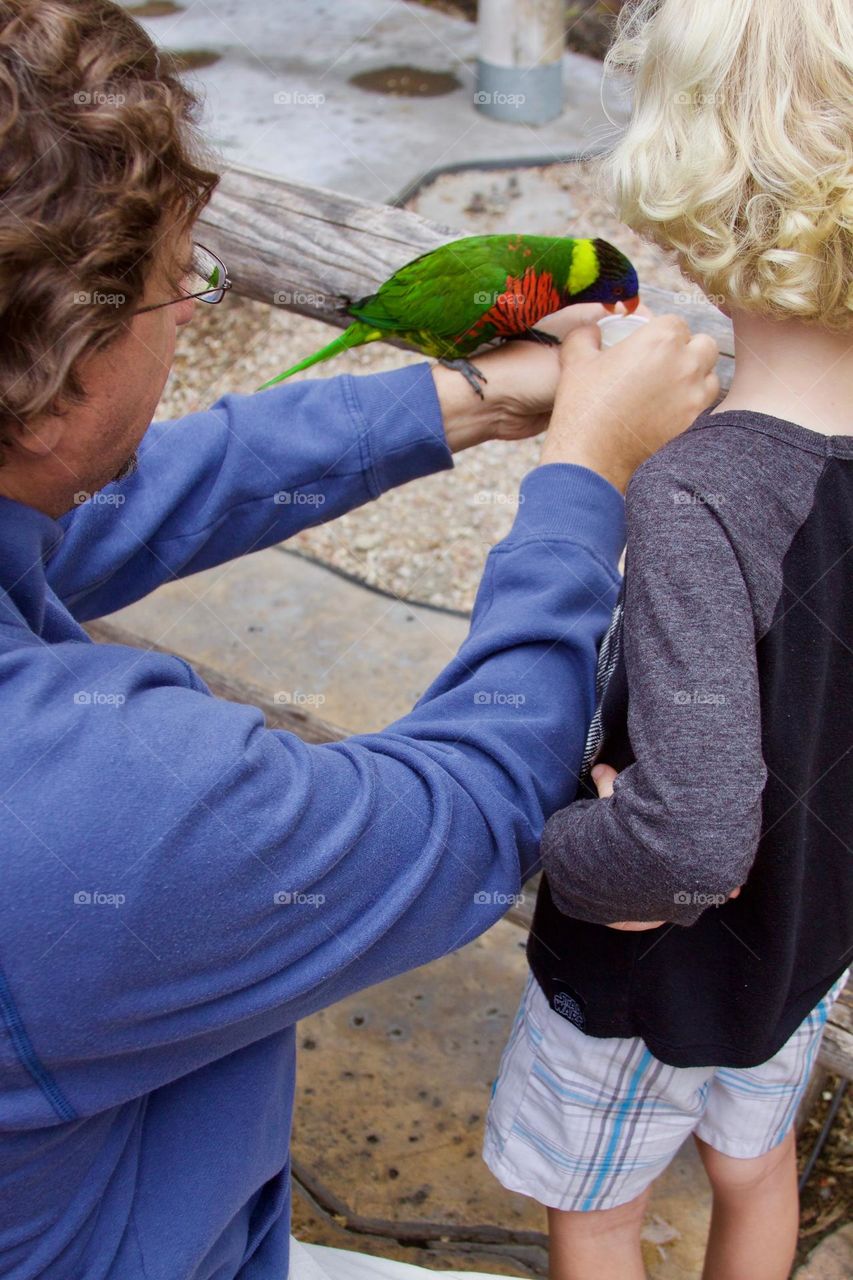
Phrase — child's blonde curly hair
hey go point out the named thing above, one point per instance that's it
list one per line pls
(739, 153)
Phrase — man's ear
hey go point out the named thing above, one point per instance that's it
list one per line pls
(41, 436)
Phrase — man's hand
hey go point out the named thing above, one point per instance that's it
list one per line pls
(603, 777)
(616, 407)
(522, 383)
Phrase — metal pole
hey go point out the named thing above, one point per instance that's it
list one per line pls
(520, 67)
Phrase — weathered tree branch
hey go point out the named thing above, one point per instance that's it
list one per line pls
(310, 250)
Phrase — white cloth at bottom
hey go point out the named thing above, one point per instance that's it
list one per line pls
(318, 1262)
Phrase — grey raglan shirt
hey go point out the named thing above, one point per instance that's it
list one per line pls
(726, 702)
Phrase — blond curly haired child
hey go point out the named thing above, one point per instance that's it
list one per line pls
(695, 920)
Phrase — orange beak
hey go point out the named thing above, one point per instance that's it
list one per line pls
(630, 305)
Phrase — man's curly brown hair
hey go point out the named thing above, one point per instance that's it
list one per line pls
(99, 160)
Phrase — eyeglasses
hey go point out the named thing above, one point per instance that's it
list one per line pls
(207, 280)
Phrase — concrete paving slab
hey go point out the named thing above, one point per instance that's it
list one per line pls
(356, 658)
(280, 98)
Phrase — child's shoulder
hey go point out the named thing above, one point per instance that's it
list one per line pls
(734, 484)
(736, 463)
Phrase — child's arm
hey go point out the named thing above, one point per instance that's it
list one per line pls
(681, 828)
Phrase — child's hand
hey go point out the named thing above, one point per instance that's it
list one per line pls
(603, 777)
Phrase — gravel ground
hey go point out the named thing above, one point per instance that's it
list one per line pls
(427, 541)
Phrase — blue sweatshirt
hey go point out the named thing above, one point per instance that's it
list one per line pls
(181, 884)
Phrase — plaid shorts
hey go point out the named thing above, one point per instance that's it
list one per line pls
(579, 1122)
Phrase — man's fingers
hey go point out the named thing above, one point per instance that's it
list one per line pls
(706, 350)
(614, 408)
(579, 344)
(565, 321)
(668, 323)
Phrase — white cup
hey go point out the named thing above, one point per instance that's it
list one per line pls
(615, 328)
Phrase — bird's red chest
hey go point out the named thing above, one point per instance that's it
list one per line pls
(522, 303)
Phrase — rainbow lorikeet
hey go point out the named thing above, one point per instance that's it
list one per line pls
(467, 294)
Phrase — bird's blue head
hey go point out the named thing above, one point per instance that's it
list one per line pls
(615, 279)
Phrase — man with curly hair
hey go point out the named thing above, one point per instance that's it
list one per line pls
(180, 883)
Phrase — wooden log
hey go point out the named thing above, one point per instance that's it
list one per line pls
(278, 715)
(306, 248)
(522, 912)
(311, 250)
(835, 1056)
(836, 1050)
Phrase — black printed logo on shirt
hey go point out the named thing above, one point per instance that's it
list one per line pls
(569, 1008)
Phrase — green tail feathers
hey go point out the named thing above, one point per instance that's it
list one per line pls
(355, 336)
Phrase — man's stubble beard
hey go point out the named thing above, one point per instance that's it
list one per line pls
(127, 468)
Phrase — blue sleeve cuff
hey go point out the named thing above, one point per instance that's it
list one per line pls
(561, 499)
(401, 425)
